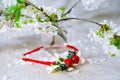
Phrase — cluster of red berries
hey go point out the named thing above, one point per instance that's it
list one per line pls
(72, 58)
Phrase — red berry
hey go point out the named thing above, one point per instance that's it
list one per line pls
(75, 59)
(69, 62)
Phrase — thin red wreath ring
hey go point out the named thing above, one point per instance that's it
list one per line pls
(63, 64)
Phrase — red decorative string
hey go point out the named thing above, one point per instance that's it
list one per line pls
(45, 62)
(38, 61)
(32, 51)
(72, 47)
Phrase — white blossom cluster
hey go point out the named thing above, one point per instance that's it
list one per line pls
(6, 3)
(105, 42)
(92, 4)
(32, 23)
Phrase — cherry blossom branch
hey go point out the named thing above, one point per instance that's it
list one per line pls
(27, 3)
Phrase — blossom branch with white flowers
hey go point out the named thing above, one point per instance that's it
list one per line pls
(25, 14)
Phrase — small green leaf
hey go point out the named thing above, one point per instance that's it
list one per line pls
(63, 16)
(31, 21)
(47, 20)
(53, 17)
(10, 9)
(17, 15)
(18, 25)
(24, 22)
(39, 28)
(21, 1)
(11, 16)
(115, 41)
(38, 18)
(69, 56)
(58, 62)
(104, 28)
(13, 13)
(112, 55)
(62, 9)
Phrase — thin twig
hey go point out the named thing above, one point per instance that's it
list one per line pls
(82, 19)
(72, 7)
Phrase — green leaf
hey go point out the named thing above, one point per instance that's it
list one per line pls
(24, 22)
(53, 17)
(104, 28)
(13, 13)
(18, 25)
(31, 21)
(17, 15)
(58, 62)
(39, 28)
(115, 41)
(10, 9)
(69, 55)
(62, 9)
(38, 18)
(47, 19)
(112, 55)
(21, 1)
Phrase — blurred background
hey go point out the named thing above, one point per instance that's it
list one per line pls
(12, 44)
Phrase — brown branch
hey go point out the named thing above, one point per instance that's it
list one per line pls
(82, 19)
(72, 7)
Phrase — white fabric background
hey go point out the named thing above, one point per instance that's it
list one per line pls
(13, 44)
